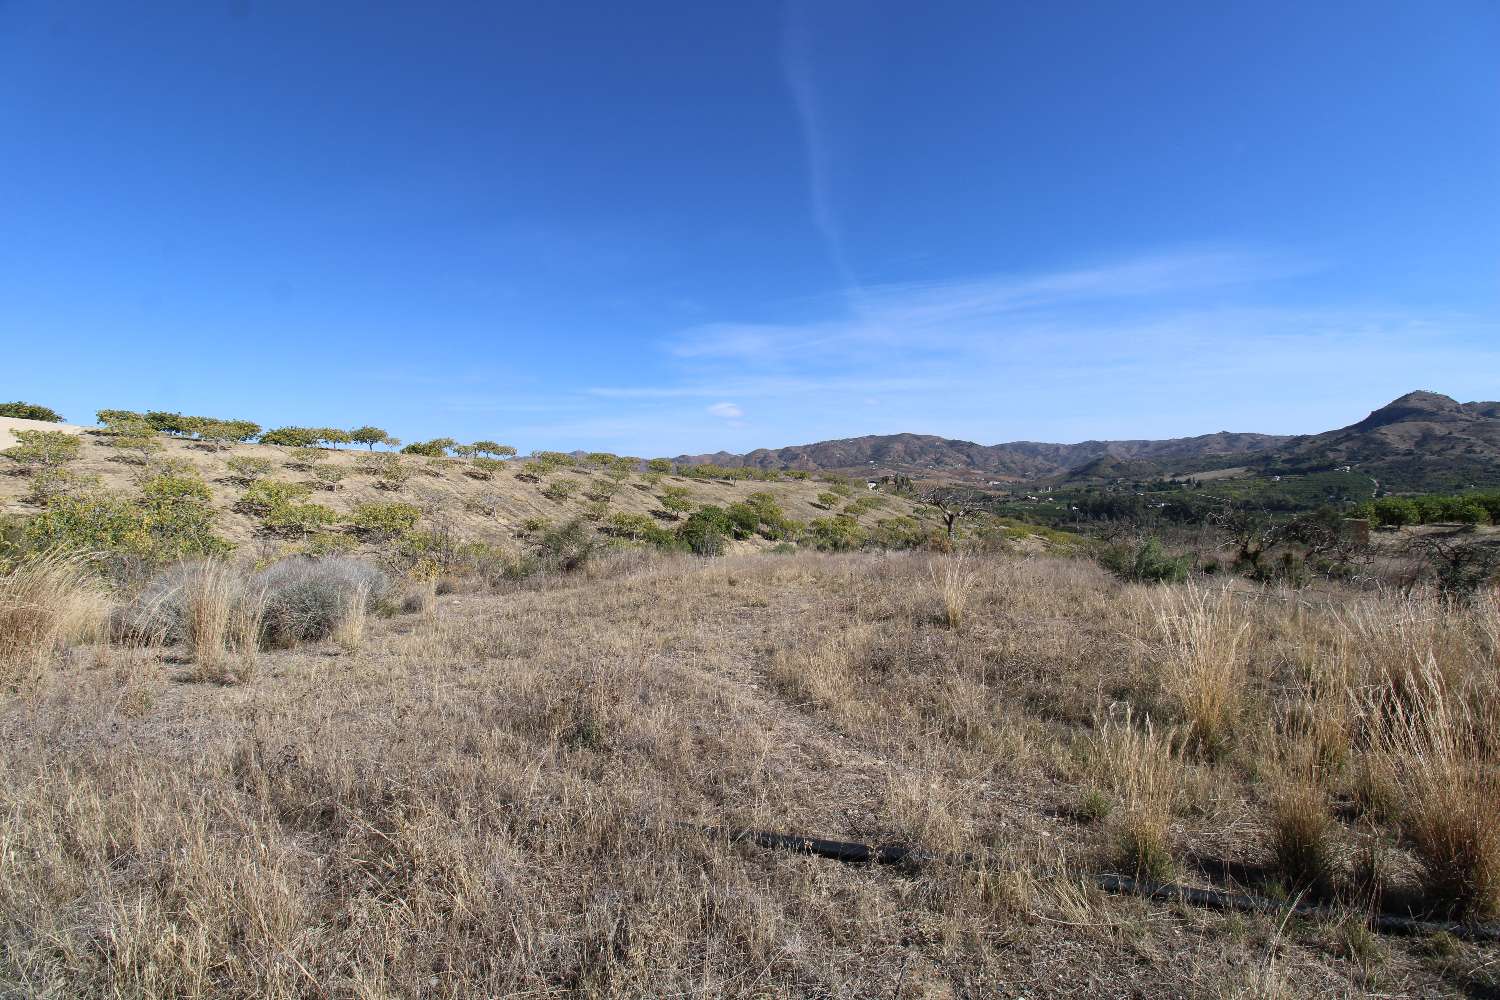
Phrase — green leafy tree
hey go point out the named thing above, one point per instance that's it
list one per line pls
(494, 449)
(369, 436)
(1395, 512)
(333, 436)
(118, 416)
(621, 468)
(291, 437)
(170, 423)
(436, 448)
(220, 434)
(30, 411)
(663, 466)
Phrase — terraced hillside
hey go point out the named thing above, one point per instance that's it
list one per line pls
(495, 503)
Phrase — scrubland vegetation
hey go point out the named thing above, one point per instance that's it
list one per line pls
(431, 731)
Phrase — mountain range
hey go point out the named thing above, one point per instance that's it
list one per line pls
(1421, 441)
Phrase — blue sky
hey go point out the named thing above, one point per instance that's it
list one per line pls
(654, 228)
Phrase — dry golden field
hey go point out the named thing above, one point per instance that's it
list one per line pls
(499, 791)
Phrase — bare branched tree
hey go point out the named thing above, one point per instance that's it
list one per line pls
(953, 503)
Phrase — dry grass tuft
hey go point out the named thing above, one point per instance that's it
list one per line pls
(47, 603)
(1141, 766)
(953, 578)
(1302, 832)
(1438, 750)
(1203, 669)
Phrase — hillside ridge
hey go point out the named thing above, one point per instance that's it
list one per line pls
(1421, 438)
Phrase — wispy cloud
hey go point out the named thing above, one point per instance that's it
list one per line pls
(797, 69)
(938, 312)
(1155, 345)
(728, 411)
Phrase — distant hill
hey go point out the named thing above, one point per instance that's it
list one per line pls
(931, 455)
(1423, 440)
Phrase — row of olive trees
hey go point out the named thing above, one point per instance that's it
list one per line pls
(217, 431)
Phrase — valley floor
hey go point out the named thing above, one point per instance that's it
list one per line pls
(503, 797)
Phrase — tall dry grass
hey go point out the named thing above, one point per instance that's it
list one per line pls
(1438, 750)
(47, 602)
(954, 579)
(1141, 766)
(1203, 665)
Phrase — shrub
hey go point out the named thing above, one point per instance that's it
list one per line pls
(600, 490)
(676, 499)
(245, 469)
(30, 411)
(281, 510)
(266, 494)
(39, 450)
(297, 520)
(389, 471)
(829, 499)
(639, 528)
(132, 434)
(839, 533)
(560, 489)
(47, 602)
(705, 530)
(566, 548)
(1146, 562)
(304, 458)
(385, 520)
(899, 533)
(484, 468)
(307, 599)
(661, 466)
(329, 476)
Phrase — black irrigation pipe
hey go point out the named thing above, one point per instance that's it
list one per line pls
(1213, 899)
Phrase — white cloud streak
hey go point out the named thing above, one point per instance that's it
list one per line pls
(797, 69)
